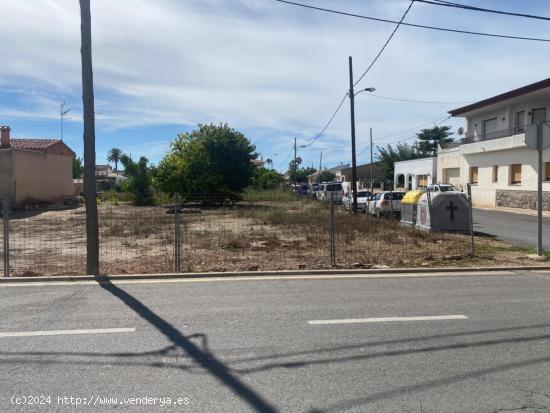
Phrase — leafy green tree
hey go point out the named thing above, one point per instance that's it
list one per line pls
(211, 160)
(428, 139)
(297, 174)
(78, 167)
(389, 155)
(114, 155)
(269, 161)
(139, 179)
(266, 179)
(327, 176)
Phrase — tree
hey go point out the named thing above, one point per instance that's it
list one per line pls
(78, 168)
(92, 230)
(389, 155)
(266, 179)
(139, 180)
(213, 160)
(428, 139)
(327, 176)
(269, 161)
(297, 174)
(114, 156)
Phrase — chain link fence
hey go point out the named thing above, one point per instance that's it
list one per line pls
(199, 233)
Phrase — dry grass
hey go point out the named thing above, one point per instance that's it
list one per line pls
(265, 235)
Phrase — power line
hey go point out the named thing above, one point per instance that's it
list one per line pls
(435, 123)
(444, 29)
(417, 100)
(288, 157)
(385, 44)
(475, 8)
(328, 123)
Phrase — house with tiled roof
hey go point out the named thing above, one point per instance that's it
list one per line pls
(35, 170)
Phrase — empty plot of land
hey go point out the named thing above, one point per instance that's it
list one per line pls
(249, 236)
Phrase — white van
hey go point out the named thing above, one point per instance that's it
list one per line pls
(326, 188)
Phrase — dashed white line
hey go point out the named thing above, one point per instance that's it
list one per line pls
(67, 332)
(388, 319)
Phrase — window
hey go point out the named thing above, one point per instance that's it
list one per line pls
(489, 126)
(520, 121)
(547, 171)
(422, 180)
(473, 175)
(515, 174)
(539, 115)
(495, 173)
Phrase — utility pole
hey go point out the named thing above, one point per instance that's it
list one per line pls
(353, 157)
(540, 148)
(295, 168)
(320, 167)
(371, 167)
(62, 114)
(92, 232)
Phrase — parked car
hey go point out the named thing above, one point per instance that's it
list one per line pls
(312, 191)
(302, 190)
(326, 188)
(386, 203)
(441, 188)
(362, 198)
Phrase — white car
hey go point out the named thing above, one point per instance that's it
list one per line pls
(326, 188)
(385, 203)
(362, 198)
(442, 188)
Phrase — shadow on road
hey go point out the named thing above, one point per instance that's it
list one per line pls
(203, 359)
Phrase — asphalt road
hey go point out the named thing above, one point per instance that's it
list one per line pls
(515, 228)
(236, 345)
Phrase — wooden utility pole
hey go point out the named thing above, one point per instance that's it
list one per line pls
(371, 166)
(92, 232)
(320, 167)
(295, 166)
(353, 157)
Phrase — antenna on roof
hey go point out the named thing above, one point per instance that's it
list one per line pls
(62, 113)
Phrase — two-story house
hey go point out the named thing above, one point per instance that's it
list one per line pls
(492, 154)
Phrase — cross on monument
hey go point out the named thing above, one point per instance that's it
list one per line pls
(452, 208)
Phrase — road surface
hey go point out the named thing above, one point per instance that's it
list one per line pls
(451, 343)
(517, 229)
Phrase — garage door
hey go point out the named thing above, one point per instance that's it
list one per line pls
(451, 176)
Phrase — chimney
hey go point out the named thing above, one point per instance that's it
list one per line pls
(5, 139)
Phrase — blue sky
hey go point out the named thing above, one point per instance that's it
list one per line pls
(270, 70)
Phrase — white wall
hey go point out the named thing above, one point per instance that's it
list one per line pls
(414, 168)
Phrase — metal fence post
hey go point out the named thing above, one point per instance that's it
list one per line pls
(469, 186)
(177, 249)
(6, 225)
(332, 232)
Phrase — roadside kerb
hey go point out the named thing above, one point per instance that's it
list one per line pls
(380, 271)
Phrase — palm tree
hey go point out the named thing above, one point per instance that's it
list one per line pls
(114, 156)
(92, 231)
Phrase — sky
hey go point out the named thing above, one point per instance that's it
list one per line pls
(270, 70)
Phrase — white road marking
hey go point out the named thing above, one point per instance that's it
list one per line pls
(67, 332)
(262, 278)
(388, 319)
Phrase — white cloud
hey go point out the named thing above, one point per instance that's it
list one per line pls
(256, 64)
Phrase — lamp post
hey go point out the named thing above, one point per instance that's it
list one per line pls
(352, 95)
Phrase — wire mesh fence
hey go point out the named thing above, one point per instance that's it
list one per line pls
(211, 233)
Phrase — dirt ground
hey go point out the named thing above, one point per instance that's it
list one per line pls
(249, 236)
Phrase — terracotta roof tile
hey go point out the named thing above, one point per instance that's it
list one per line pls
(33, 144)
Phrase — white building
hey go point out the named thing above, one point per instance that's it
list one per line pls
(493, 156)
(416, 173)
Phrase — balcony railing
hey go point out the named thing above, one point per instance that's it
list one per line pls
(493, 135)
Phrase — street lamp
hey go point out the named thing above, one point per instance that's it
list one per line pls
(368, 89)
(352, 95)
(271, 159)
